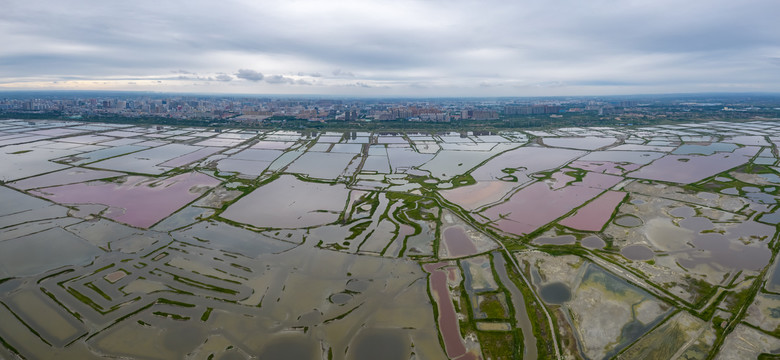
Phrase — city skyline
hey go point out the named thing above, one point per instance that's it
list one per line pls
(408, 48)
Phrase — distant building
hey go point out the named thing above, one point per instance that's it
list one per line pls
(532, 109)
(479, 114)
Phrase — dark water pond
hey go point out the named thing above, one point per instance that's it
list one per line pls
(555, 293)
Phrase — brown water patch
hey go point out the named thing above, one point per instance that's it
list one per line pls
(291, 347)
(380, 344)
(36, 253)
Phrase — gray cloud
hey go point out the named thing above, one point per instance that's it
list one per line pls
(314, 74)
(361, 84)
(223, 77)
(250, 75)
(341, 73)
(278, 79)
(429, 48)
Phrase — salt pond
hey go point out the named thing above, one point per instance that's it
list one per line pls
(147, 242)
(289, 203)
(137, 200)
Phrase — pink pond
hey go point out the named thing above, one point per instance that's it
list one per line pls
(689, 168)
(448, 320)
(605, 167)
(559, 180)
(457, 242)
(478, 195)
(139, 201)
(595, 214)
(599, 181)
(538, 204)
(526, 160)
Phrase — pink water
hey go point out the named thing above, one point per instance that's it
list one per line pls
(599, 181)
(139, 201)
(457, 242)
(480, 194)
(448, 320)
(537, 204)
(595, 214)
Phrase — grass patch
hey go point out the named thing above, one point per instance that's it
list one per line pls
(206, 314)
(499, 345)
(490, 304)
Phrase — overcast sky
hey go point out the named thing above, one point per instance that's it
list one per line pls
(397, 47)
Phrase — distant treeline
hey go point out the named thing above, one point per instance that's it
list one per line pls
(290, 123)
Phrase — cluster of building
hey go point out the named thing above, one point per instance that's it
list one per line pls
(261, 109)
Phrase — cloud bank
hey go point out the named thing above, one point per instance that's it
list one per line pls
(402, 47)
